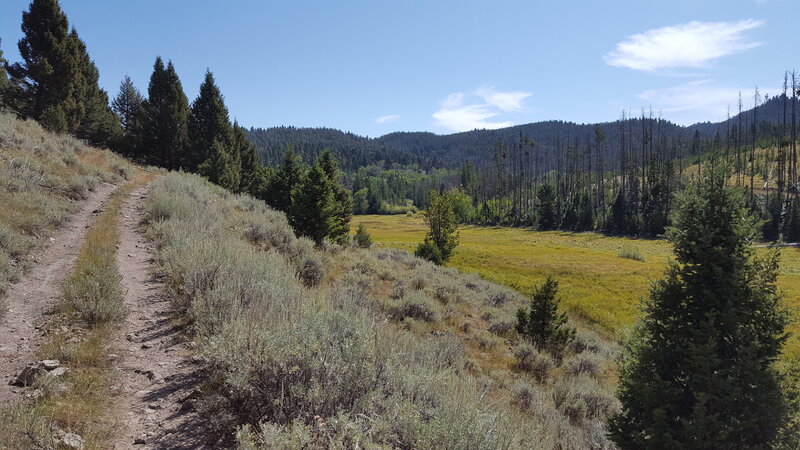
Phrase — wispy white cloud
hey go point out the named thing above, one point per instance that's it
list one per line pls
(699, 101)
(387, 119)
(505, 101)
(694, 44)
(456, 114)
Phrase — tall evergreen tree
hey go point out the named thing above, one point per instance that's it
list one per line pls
(252, 171)
(128, 105)
(342, 195)
(165, 118)
(546, 209)
(42, 79)
(97, 122)
(313, 209)
(56, 82)
(700, 370)
(208, 122)
(286, 180)
(222, 167)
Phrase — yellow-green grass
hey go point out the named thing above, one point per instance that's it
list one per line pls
(597, 286)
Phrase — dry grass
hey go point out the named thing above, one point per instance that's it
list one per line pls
(41, 177)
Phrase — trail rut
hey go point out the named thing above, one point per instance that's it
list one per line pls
(34, 295)
(156, 371)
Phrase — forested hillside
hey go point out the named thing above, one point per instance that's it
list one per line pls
(429, 150)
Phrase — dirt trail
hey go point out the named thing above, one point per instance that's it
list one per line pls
(32, 297)
(156, 371)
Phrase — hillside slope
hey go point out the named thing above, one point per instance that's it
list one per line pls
(346, 347)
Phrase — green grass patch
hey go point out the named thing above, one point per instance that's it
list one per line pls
(597, 285)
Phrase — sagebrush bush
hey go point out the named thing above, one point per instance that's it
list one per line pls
(416, 305)
(584, 364)
(538, 364)
(582, 397)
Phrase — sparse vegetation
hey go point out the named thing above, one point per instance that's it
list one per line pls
(93, 291)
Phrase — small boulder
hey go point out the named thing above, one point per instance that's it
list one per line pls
(70, 440)
(57, 372)
(50, 364)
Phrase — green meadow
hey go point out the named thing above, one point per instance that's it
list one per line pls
(598, 286)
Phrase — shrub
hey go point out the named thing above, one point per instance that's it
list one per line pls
(502, 328)
(584, 364)
(362, 237)
(631, 253)
(309, 265)
(534, 362)
(398, 290)
(270, 234)
(312, 270)
(15, 243)
(524, 395)
(427, 250)
(418, 284)
(583, 398)
(416, 306)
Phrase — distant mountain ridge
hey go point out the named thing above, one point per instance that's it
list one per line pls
(430, 150)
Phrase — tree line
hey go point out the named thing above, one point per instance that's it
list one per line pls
(627, 186)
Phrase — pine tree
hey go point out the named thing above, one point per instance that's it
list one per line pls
(42, 79)
(208, 122)
(700, 370)
(128, 105)
(342, 195)
(362, 237)
(165, 118)
(541, 324)
(546, 209)
(252, 171)
(56, 82)
(97, 122)
(287, 179)
(222, 167)
(313, 209)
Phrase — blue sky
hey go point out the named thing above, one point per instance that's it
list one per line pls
(377, 66)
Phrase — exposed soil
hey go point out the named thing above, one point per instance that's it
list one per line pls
(33, 297)
(156, 371)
